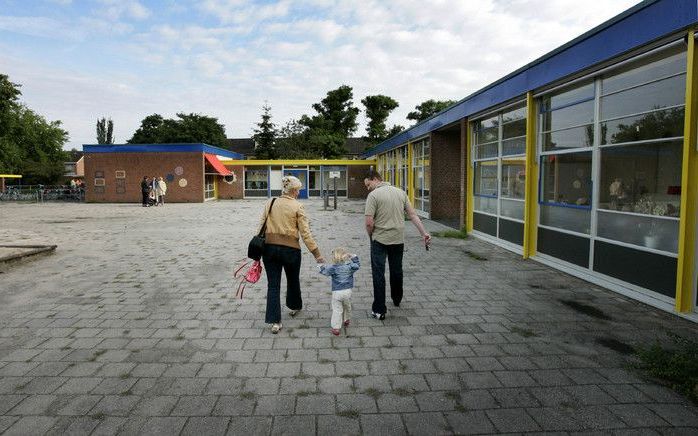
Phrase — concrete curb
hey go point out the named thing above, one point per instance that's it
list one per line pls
(32, 250)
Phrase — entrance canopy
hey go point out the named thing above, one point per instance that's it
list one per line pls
(217, 165)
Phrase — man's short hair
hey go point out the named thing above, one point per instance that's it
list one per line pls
(373, 175)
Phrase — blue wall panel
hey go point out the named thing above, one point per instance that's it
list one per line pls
(160, 148)
(638, 26)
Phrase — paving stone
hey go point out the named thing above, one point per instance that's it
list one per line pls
(81, 385)
(194, 406)
(293, 425)
(382, 424)
(31, 425)
(206, 425)
(589, 395)
(156, 406)
(555, 419)
(469, 422)
(7, 402)
(479, 380)
(435, 401)
(271, 405)
(235, 405)
(335, 385)
(34, 405)
(636, 415)
(512, 420)
(414, 382)
(263, 386)
(676, 414)
(224, 386)
(79, 405)
(425, 423)
(115, 405)
(338, 425)
(314, 404)
(164, 426)
(256, 426)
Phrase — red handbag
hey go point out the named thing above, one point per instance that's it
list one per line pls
(252, 275)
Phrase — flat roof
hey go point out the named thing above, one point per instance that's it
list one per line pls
(160, 148)
(640, 25)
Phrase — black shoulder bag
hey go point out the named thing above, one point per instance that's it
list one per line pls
(256, 246)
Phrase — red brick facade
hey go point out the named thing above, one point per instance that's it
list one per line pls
(355, 174)
(185, 168)
(447, 177)
(234, 190)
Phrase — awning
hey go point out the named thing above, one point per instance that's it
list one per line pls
(217, 165)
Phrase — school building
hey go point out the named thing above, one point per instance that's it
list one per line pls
(585, 159)
(199, 172)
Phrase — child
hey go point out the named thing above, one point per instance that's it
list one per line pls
(342, 270)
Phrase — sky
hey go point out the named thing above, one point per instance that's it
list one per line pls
(80, 60)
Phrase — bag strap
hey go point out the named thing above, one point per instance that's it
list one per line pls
(264, 226)
(235, 274)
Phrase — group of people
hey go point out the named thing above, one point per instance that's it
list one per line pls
(76, 184)
(153, 191)
(287, 222)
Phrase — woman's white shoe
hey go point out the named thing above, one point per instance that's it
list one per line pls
(275, 328)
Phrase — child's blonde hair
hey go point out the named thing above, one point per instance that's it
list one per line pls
(340, 255)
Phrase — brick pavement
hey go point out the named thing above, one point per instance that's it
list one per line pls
(131, 327)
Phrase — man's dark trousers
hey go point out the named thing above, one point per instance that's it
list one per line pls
(378, 254)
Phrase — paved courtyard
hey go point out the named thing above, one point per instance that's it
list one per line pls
(131, 327)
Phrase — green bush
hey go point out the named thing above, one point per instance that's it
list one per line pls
(677, 365)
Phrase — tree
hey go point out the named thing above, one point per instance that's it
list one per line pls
(378, 108)
(334, 122)
(294, 142)
(188, 128)
(29, 144)
(428, 108)
(265, 136)
(105, 131)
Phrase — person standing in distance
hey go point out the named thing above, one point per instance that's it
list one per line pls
(386, 206)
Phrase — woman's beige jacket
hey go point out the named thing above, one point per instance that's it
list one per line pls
(287, 222)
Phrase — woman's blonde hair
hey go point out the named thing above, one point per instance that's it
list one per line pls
(340, 255)
(290, 183)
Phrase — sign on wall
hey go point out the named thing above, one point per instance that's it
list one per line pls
(334, 174)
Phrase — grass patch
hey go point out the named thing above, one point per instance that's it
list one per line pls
(304, 326)
(523, 332)
(350, 375)
(373, 393)
(402, 392)
(124, 376)
(677, 366)
(457, 234)
(98, 416)
(301, 376)
(585, 309)
(475, 256)
(305, 393)
(179, 337)
(323, 361)
(615, 345)
(247, 395)
(453, 395)
(349, 413)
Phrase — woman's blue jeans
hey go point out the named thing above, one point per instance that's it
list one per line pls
(276, 258)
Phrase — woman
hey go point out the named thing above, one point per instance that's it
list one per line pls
(161, 191)
(286, 222)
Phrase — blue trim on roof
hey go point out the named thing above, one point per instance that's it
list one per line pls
(160, 148)
(638, 26)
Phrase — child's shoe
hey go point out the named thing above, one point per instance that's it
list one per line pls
(335, 332)
(346, 323)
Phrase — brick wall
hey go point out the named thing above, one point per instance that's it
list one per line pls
(355, 174)
(232, 191)
(137, 165)
(446, 178)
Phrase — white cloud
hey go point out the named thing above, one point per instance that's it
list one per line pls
(410, 50)
(115, 9)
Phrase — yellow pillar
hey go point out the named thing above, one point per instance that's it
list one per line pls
(685, 284)
(410, 174)
(531, 196)
(469, 177)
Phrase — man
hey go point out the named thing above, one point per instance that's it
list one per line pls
(145, 190)
(385, 223)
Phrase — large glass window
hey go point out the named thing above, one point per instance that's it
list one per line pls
(421, 175)
(256, 181)
(636, 157)
(642, 117)
(499, 171)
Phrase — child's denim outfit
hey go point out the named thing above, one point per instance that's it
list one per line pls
(342, 283)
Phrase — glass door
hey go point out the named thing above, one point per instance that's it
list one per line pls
(302, 175)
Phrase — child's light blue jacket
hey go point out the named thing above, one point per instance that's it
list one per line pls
(342, 273)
